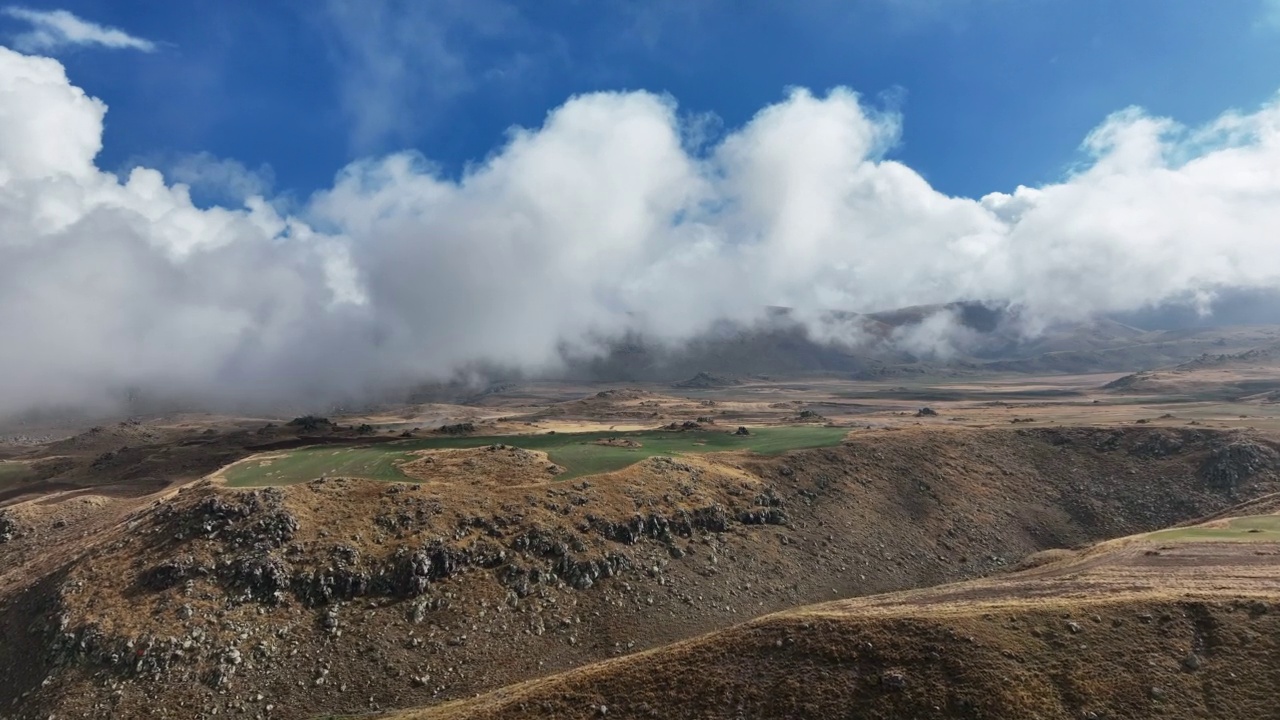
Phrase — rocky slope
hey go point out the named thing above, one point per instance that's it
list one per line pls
(350, 596)
(1180, 623)
(1154, 657)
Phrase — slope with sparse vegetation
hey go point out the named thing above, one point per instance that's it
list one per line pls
(1174, 624)
(352, 595)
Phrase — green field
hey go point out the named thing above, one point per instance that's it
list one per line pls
(576, 452)
(12, 471)
(1253, 528)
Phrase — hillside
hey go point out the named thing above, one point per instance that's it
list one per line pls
(1175, 624)
(1266, 355)
(344, 596)
(1250, 375)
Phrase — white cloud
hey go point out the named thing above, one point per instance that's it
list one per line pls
(221, 180)
(108, 285)
(53, 30)
(600, 221)
(1162, 212)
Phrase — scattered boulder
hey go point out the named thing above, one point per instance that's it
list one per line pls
(8, 527)
(763, 516)
(1235, 463)
(1158, 444)
(498, 463)
(893, 679)
(742, 430)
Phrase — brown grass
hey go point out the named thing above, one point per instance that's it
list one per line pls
(1112, 632)
(494, 464)
(888, 510)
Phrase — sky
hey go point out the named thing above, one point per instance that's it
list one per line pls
(256, 203)
(994, 93)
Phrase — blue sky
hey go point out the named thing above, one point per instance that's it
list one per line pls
(993, 93)
(250, 218)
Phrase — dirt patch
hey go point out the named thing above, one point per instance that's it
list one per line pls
(490, 465)
(264, 459)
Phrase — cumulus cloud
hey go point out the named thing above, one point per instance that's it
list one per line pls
(108, 285)
(607, 219)
(219, 180)
(53, 30)
(1163, 213)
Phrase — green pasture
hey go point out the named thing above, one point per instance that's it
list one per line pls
(576, 452)
(1255, 528)
(13, 471)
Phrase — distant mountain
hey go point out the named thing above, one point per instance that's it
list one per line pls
(948, 339)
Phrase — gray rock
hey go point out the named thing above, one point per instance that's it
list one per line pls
(893, 679)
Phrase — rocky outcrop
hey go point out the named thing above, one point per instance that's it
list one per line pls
(8, 527)
(1235, 463)
(664, 529)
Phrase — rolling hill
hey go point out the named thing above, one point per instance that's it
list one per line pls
(1179, 623)
(350, 596)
